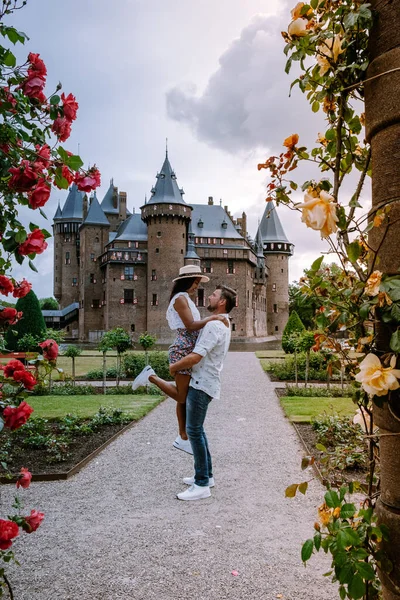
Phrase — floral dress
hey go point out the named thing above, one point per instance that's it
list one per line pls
(185, 340)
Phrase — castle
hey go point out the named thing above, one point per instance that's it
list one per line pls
(115, 268)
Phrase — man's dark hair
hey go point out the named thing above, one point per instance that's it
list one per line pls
(182, 285)
(229, 295)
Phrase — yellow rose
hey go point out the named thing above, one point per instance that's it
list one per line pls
(324, 514)
(375, 379)
(373, 283)
(328, 53)
(291, 141)
(298, 28)
(320, 213)
(321, 139)
(296, 11)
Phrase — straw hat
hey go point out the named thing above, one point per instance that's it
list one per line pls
(191, 271)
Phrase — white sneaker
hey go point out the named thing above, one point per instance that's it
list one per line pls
(190, 481)
(184, 445)
(195, 492)
(143, 378)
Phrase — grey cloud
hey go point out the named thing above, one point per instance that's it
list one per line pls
(246, 103)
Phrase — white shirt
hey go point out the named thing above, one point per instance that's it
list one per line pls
(212, 344)
(173, 318)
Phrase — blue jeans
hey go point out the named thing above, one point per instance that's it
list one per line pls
(197, 403)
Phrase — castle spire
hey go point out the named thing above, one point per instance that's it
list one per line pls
(272, 234)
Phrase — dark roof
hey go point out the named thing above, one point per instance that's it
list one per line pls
(73, 204)
(107, 202)
(270, 227)
(58, 214)
(62, 312)
(166, 190)
(132, 229)
(213, 218)
(96, 214)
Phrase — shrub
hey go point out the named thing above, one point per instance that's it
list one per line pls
(134, 363)
(32, 321)
(293, 327)
(284, 370)
(64, 390)
(98, 373)
(344, 441)
(127, 390)
(319, 392)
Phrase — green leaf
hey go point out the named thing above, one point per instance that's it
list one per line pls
(395, 312)
(321, 448)
(55, 99)
(307, 550)
(290, 491)
(364, 310)
(303, 487)
(365, 570)
(317, 541)
(317, 264)
(306, 461)
(353, 251)
(32, 226)
(32, 266)
(9, 59)
(46, 234)
(315, 106)
(43, 214)
(395, 341)
(357, 587)
(347, 511)
(75, 162)
(60, 181)
(330, 135)
(345, 574)
(314, 4)
(342, 592)
(63, 154)
(20, 236)
(332, 499)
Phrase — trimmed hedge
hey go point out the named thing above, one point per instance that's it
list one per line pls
(134, 363)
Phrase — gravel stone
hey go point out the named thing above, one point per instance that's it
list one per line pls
(116, 530)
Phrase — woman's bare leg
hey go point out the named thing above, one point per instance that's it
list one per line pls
(178, 391)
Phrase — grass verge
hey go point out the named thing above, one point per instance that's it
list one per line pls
(54, 407)
(270, 354)
(302, 410)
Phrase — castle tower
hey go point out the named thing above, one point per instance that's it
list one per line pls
(94, 234)
(67, 248)
(191, 256)
(167, 216)
(277, 251)
(114, 206)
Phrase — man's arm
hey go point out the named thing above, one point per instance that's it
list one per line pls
(185, 363)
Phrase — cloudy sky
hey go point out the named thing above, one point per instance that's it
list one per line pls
(207, 75)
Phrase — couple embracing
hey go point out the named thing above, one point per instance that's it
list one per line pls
(196, 359)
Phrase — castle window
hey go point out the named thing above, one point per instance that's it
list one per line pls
(275, 308)
(200, 297)
(196, 240)
(157, 250)
(207, 267)
(128, 273)
(201, 240)
(67, 238)
(200, 223)
(274, 287)
(233, 327)
(236, 300)
(136, 244)
(281, 270)
(158, 234)
(153, 275)
(231, 269)
(67, 258)
(248, 299)
(129, 244)
(182, 251)
(96, 303)
(154, 302)
(222, 241)
(133, 327)
(276, 328)
(96, 239)
(208, 240)
(128, 296)
(92, 257)
(183, 235)
(92, 278)
(74, 281)
(225, 251)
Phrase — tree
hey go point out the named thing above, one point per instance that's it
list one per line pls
(115, 339)
(72, 352)
(147, 341)
(48, 304)
(293, 327)
(304, 305)
(31, 321)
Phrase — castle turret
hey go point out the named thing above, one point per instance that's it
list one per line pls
(67, 248)
(277, 250)
(191, 256)
(114, 206)
(167, 216)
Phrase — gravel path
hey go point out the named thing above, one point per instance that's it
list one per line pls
(116, 530)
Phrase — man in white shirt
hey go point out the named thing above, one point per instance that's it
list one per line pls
(206, 362)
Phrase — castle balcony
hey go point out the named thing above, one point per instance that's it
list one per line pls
(123, 257)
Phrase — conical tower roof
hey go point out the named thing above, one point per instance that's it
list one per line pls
(96, 214)
(271, 232)
(107, 204)
(258, 243)
(73, 205)
(58, 214)
(166, 190)
(191, 252)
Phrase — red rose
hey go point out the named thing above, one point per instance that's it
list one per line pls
(24, 479)
(33, 521)
(9, 316)
(22, 289)
(62, 128)
(37, 65)
(9, 98)
(26, 378)
(43, 155)
(89, 181)
(50, 349)
(11, 366)
(8, 530)
(16, 416)
(70, 106)
(6, 285)
(33, 86)
(67, 173)
(34, 243)
(40, 194)
(24, 177)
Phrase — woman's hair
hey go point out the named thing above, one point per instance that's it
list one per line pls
(182, 285)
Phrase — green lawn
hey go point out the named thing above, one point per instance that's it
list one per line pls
(51, 407)
(302, 410)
